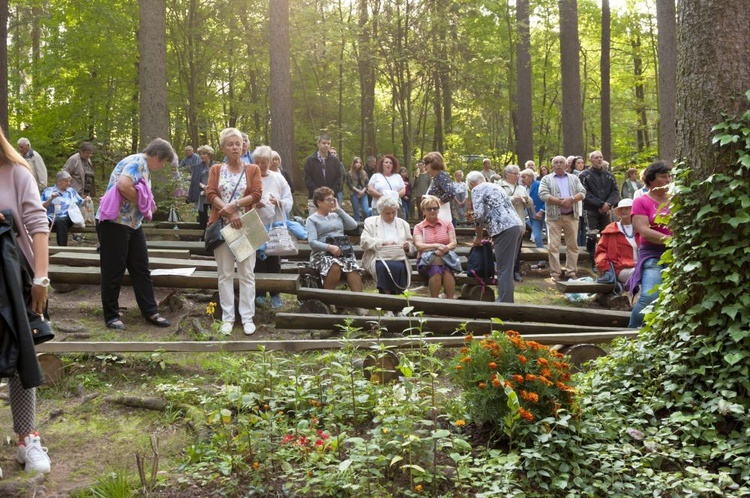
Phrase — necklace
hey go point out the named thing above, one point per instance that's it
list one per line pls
(625, 230)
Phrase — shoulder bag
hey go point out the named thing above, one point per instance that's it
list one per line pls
(281, 242)
(213, 237)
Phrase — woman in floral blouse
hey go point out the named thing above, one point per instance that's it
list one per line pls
(442, 186)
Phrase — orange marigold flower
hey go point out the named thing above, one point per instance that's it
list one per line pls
(469, 338)
(492, 365)
(522, 359)
(533, 345)
(526, 414)
(542, 362)
(546, 372)
(508, 383)
(557, 354)
(496, 382)
(466, 359)
(482, 385)
(464, 350)
(565, 377)
(544, 380)
(460, 423)
(512, 333)
(518, 378)
(532, 397)
(530, 377)
(459, 367)
(560, 386)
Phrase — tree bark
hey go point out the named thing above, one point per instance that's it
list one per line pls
(367, 78)
(152, 42)
(525, 136)
(666, 20)
(282, 116)
(4, 66)
(572, 111)
(640, 95)
(605, 93)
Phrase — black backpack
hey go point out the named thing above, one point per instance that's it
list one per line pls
(481, 262)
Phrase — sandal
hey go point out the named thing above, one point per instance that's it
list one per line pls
(158, 320)
(116, 324)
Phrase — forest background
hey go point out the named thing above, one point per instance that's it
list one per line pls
(381, 76)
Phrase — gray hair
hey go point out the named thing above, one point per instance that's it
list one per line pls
(263, 152)
(24, 141)
(160, 149)
(62, 175)
(229, 132)
(511, 168)
(206, 149)
(388, 201)
(474, 178)
(275, 155)
(528, 172)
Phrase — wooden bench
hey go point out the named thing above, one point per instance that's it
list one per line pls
(171, 233)
(455, 308)
(91, 250)
(268, 282)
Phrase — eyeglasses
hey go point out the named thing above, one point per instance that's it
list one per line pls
(330, 199)
(432, 209)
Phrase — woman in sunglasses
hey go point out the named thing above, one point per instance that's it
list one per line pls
(435, 240)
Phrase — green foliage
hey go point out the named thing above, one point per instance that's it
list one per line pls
(506, 378)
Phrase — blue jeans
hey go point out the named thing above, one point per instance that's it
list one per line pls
(405, 206)
(650, 278)
(536, 228)
(360, 205)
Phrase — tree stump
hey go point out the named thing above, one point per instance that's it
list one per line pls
(580, 354)
(476, 292)
(51, 366)
(381, 368)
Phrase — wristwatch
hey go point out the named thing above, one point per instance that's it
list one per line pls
(41, 281)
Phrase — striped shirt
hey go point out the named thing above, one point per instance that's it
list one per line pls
(439, 233)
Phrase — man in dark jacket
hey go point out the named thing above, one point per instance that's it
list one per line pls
(323, 169)
(601, 196)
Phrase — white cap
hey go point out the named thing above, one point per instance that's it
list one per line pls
(625, 203)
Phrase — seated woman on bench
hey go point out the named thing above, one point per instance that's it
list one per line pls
(617, 244)
(331, 253)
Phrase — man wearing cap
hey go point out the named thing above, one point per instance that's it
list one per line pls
(617, 244)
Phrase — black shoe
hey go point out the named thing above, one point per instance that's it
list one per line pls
(158, 320)
(116, 324)
(517, 277)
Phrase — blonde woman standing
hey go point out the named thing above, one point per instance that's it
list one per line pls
(233, 189)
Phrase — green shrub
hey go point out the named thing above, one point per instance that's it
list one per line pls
(505, 377)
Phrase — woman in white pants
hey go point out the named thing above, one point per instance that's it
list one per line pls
(233, 189)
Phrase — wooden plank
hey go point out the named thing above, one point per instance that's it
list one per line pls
(269, 282)
(441, 326)
(155, 253)
(572, 286)
(69, 259)
(310, 345)
(151, 231)
(513, 312)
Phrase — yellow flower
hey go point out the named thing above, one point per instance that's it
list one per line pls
(460, 423)
(256, 465)
(385, 430)
(211, 308)
(418, 488)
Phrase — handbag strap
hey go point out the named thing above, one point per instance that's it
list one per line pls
(239, 180)
(408, 277)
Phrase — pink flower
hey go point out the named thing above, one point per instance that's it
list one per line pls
(287, 439)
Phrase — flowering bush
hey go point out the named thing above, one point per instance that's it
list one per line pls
(502, 373)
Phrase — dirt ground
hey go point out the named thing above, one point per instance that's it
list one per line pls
(88, 436)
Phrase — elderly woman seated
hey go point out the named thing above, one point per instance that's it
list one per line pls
(58, 200)
(435, 240)
(386, 240)
(617, 249)
(331, 253)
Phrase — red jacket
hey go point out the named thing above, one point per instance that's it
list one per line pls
(613, 246)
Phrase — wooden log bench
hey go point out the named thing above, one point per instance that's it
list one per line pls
(170, 233)
(437, 325)
(455, 308)
(269, 282)
(152, 253)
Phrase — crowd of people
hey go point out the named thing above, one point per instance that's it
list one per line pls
(621, 225)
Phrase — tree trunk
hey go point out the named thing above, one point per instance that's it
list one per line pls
(367, 79)
(525, 136)
(282, 116)
(666, 20)
(4, 66)
(605, 94)
(572, 113)
(152, 42)
(640, 95)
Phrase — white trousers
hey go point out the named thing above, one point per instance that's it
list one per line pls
(225, 263)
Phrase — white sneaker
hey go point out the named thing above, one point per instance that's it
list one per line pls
(33, 454)
(226, 328)
(249, 328)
